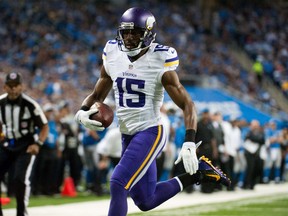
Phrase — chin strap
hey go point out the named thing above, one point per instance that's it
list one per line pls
(133, 52)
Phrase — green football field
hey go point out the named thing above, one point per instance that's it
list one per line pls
(58, 200)
(273, 205)
(263, 206)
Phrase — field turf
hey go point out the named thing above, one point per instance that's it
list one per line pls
(264, 206)
(56, 200)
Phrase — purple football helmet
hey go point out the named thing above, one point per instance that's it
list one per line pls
(137, 19)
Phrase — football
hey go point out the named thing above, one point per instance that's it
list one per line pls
(105, 114)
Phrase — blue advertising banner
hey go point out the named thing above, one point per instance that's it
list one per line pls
(215, 100)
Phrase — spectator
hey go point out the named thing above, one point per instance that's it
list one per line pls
(284, 144)
(257, 69)
(169, 149)
(45, 180)
(90, 141)
(254, 139)
(108, 153)
(231, 148)
(68, 141)
(218, 133)
(163, 156)
(273, 159)
(208, 146)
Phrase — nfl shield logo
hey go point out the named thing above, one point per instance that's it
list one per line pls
(130, 67)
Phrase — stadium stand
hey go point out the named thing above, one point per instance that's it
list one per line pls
(56, 42)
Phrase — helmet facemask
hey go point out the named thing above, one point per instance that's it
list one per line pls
(143, 38)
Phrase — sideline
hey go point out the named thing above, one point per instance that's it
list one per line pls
(99, 208)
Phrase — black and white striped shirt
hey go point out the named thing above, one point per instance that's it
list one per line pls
(20, 119)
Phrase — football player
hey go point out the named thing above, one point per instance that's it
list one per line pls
(139, 70)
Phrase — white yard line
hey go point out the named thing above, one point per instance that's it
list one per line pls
(99, 208)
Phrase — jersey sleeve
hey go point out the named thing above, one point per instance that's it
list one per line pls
(39, 116)
(106, 51)
(104, 58)
(172, 60)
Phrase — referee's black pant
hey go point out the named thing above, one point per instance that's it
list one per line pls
(21, 177)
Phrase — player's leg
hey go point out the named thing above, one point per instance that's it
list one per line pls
(160, 165)
(277, 165)
(118, 200)
(6, 160)
(148, 194)
(267, 168)
(139, 152)
(144, 189)
(22, 175)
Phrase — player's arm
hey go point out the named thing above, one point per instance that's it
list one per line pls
(99, 93)
(101, 89)
(43, 133)
(41, 122)
(182, 99)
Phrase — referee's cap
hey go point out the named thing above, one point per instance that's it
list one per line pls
(13, 77)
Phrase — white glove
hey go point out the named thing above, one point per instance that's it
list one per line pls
(189, 157)
(82, 117)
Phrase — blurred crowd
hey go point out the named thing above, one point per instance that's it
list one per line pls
(57, 47)
(262, 31)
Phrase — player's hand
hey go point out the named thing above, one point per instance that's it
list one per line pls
(33, 149)
(82, 117)
(189, 157)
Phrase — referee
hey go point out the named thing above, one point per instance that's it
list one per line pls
(24, 129)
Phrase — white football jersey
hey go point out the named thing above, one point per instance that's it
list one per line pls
(137, 85)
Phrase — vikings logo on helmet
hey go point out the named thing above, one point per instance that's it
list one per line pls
(150, 22)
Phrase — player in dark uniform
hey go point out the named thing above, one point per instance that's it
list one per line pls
(24, 129)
